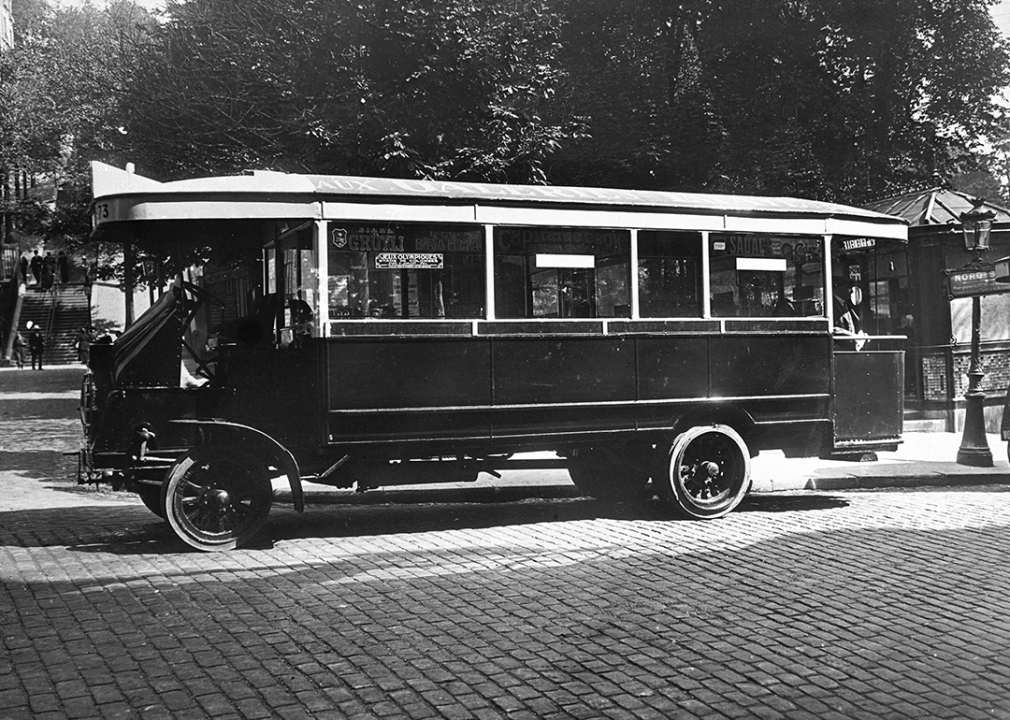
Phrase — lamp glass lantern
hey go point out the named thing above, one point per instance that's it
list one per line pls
(976, 225)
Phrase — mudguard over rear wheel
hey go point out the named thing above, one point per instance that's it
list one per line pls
(708, 472)
(216, 497)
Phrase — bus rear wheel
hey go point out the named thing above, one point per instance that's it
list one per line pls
(609, 474)
(708, 472)
(216, 497)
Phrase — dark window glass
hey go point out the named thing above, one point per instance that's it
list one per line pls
(766, 276)
(669, 274)
(405, 271)
(562, 273)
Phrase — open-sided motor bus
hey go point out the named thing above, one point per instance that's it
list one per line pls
(419, 331)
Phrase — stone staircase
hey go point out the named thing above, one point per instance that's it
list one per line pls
(60, 312)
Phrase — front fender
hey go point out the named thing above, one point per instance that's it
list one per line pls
(286, 462)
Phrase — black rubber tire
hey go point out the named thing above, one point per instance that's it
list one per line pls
(217, 497)
(708, 473)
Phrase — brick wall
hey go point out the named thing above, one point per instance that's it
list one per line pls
(994, 363)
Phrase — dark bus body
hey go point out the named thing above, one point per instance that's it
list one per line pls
(410, 332)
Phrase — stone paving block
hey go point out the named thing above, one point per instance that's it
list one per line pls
(567, 621)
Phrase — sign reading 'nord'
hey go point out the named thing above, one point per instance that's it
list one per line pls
(975, 280)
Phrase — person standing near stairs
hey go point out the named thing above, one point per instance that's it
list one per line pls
(62, 268)
(36, 345)
(19, 349)
(83, 344)
(48, 272)
(36, 266)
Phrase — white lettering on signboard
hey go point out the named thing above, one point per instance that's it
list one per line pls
(858, 243)
(408, 261)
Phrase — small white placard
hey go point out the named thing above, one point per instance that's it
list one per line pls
(761, 264)
(554, 260)
(408, 261)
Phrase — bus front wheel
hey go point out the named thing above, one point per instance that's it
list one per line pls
(708, 472)
(216, 497)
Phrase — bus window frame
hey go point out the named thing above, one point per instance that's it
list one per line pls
(324, 325)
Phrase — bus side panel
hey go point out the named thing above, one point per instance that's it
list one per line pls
(672, 367)
(869, 397)
(593, 372)
(761, 365)
(396, 375)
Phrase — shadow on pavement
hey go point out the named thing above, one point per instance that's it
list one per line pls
(123, 529)
(42, 465)
(791, 503)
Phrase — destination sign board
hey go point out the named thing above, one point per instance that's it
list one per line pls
(858, 243)
(972, 281)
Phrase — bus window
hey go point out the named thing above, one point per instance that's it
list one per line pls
(406, 271)
(766, 276)
(299, 281)
(669, 274)
(562, 273)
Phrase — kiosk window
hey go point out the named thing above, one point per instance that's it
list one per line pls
(562, 273)
(669, 274)
(766, 276)
(405, 271)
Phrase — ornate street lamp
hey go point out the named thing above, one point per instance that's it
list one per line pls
(976, 226)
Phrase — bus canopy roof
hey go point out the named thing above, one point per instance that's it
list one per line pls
(125, 196)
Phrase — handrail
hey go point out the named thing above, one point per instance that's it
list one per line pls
(51, 320)
(846, 335)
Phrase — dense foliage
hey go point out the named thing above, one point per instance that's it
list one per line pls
(433, 88)
(832, 99)
(844, 100)
(60, 97)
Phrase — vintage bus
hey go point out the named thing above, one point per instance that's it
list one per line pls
(409, 331)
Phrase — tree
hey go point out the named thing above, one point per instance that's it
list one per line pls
(425, 88)
(833, 99)
(58, 104)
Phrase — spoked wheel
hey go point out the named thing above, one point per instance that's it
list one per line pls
(217, 497)
(152, 497)
(609, 474)
(709, 472)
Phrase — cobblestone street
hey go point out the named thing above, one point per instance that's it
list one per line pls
(844, 604)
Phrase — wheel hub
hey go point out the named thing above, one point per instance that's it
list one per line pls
(216, 499)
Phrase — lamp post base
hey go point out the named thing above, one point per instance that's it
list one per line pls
(974, 450)
(974, 457)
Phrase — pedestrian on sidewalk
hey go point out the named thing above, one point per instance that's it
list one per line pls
(87, 282)
(23, 265)
(36, 345)
(83, 345)
(19, 349)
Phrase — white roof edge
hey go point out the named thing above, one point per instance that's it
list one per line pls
(108, 180)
